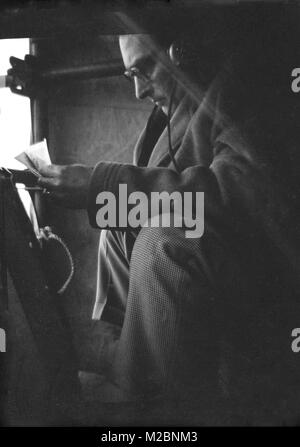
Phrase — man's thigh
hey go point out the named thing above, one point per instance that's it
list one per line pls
(170, 336)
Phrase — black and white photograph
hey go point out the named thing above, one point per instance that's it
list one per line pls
(150, 216)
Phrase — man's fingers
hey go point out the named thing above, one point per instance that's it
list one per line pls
(50, 176)
(47, 183)
(50, 170)
(66, 183)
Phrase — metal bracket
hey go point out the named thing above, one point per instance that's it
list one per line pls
(23, 78)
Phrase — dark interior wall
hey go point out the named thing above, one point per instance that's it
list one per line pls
(88, 121)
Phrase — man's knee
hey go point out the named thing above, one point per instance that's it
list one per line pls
(159, 247)
(156, 237)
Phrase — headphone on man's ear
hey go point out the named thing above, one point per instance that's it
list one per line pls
(177, 52)
(182, 51)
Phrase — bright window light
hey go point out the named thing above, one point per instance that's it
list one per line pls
(15, 119)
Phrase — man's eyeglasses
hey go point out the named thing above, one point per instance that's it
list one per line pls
(135, 72)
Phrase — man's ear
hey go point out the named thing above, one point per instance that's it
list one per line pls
(183, 50)
(176, 52)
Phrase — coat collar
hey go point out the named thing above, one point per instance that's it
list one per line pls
(195, 130)
(179, 123)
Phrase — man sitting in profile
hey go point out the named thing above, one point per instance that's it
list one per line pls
(201, 319)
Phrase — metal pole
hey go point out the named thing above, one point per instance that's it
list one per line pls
(113, 67)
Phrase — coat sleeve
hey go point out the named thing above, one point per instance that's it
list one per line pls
(239, 193)
(219, 182)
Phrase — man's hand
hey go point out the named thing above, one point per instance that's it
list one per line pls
(68, 184)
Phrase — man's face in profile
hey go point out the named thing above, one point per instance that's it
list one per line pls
(151, 78)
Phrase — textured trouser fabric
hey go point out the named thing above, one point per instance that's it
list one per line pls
(204, 325)
(170, 336)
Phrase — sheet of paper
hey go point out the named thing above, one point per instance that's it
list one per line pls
(35, 157)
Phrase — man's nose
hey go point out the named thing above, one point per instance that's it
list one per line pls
(142, 88)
